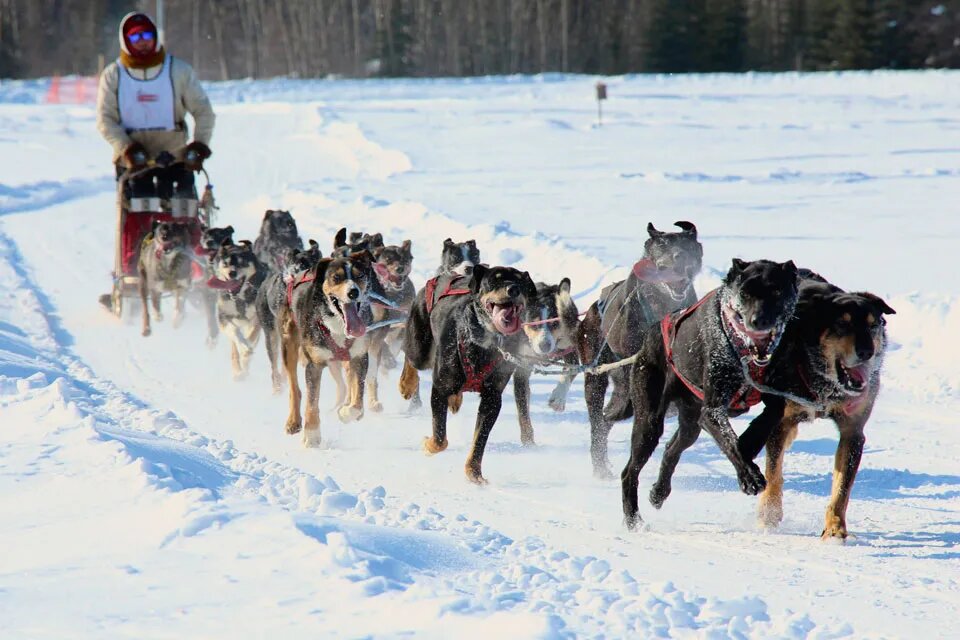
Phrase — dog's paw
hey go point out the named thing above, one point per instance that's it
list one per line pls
(376, 406)
(528, 441)
(602, 472)
(311, 438)
(431, 446)
(751, 480)
(769, 513)
(658, 495)
(557, 401)
(158, 316)
(409, 381)
(632, 521)
(211, 342)
(834, 529)
(454, 402)
(349, 414)
(474, 475)
(293, 426)
(146, 332)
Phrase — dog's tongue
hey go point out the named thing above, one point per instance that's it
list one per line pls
(355, 327)
(647, 271)
(506, 319)
(858, 374)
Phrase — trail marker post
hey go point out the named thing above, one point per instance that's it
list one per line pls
(601, 96)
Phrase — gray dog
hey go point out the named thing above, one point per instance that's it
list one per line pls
(164, 266)
(278, 234)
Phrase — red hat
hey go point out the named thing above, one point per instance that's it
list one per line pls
(136, 22)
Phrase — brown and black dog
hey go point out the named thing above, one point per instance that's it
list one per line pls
(237, 275)
(322, 326)
(460, 327)
(551, 340)
(829, 367)
(660, 282)
(165, 266)
(708, 360)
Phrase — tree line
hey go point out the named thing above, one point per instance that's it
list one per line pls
(228, 39)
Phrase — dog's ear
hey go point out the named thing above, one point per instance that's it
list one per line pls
(653, 231)
(879, 302)
(448, 243)
(476, 278)
(565, 286)
(406, 247)
(689, 229)
(314, 245)
(738, 265)
(268, 214)
(530, 287)
(320, 271)
(340, 239)
(246, 244)
(790, 267)
(228, 230)
(472, 244)
(355, 237)
(377, 252)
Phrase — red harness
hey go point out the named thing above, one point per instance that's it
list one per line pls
(341, 353)
(448, 291)
(745, 397)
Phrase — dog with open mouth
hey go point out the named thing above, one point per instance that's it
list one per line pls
(237, 277)
(165, 266)
(829, 366)
(461, 327)
(551, 340)
(708, 360)
(278, 234)
(210, 240)
(273, 295)
(390, 298)
(321, 326)
(613, 327)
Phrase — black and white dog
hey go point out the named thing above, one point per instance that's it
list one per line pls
(238, 275)
(164, 266)
(708, 359)
(278, 234)
(210, 240)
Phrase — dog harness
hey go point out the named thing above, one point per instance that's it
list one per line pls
(747, 395)
(449, 290)
(341, 353)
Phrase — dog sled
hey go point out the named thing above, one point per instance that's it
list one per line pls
(135, 219)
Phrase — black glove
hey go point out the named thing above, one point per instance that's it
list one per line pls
(135, 156)
(195, 154)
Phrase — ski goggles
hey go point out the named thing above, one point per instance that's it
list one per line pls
(140, 35)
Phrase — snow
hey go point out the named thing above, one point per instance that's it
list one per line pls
(147, 494)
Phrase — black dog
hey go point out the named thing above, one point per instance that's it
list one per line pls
(458, 257)
(613, 327)
(273, 295)
(551, 340)
(700, 359)
(210, 240)
(458, 326)
(278, 234)
(828, 366)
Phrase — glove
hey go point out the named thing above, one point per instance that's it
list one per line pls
(135, 156)
(195, 154)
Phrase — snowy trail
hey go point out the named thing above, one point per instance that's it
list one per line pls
(541, 550)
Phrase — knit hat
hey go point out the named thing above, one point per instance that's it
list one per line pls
(136, 22)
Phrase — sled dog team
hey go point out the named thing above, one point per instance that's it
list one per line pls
(771, 334)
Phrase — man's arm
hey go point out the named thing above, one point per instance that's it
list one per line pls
(197, 104)
(108, 112)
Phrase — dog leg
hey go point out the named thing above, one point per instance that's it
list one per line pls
(356, 374)
(250, 340)
(210, 311)
(686, 435)
(178, 307)
(336, 372)
(409, 381)
(714, 420)
(271, 340)
(311, 414)
(770, 504)
(144, 293)
(490, 402)
(454, 402)
(619, 407)
(155, 297)
(558, 397)
(647, 388)
(375, 351)
(845, 466)
(438, 405)
(291, 352)
(594, 388)
(521, 393)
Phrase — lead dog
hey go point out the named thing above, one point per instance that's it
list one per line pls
(829, 365)
(321, 327)
(461, 327)
(613, 327)
(707, 359)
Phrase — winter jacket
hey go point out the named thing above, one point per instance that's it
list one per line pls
(189, 97)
